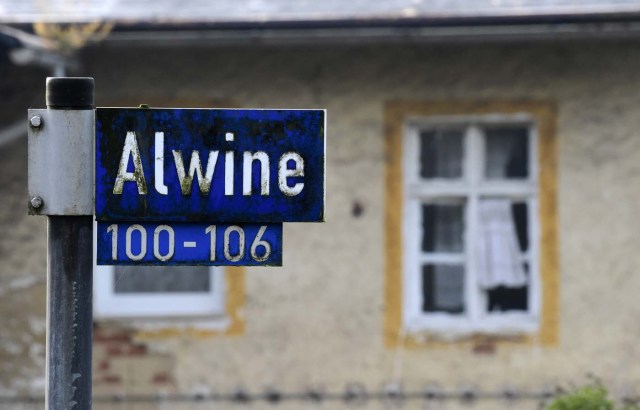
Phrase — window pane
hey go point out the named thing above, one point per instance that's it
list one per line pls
(443, 288)
(441, 154)
(442, 227)
(502, 299)
(155, 279)
(507, 152)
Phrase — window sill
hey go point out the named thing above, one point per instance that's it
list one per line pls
(449, 328)
(147, 329)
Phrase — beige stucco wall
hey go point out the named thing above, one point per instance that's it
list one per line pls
(317, 321)
(22, 244)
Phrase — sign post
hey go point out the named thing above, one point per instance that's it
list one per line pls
(66, 127)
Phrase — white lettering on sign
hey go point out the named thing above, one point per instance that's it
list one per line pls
(156, 243)
(159, 165)
(114, 241)
(259, 242)
(260, 250)
(131, 153)
(226, 249)
(247, 165)
(143, 242)
(195, 167)
(130, 150)
(284, 172)
(211, 230)
(228, 173)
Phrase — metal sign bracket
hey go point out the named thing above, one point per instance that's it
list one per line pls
(61, 162)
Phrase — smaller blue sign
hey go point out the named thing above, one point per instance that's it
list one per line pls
(184, 243)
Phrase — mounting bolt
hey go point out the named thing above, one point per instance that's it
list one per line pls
(36, 202)
(35, 121)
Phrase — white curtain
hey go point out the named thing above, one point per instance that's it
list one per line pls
(498, 252)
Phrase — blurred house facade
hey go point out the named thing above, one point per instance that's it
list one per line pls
(483, 176)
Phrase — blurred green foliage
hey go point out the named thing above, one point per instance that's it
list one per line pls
(593, 397)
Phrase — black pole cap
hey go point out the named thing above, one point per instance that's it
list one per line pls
(74, 93)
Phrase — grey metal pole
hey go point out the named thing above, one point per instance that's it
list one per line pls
(69, 279)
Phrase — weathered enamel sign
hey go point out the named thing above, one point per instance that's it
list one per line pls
(185, 243)
(203, 165)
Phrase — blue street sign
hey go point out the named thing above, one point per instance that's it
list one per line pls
(182, 243)
(203, 165)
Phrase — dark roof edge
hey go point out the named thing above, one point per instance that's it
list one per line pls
(372, 22)
(520, 28)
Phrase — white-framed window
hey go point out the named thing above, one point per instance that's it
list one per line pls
(158, 292)
(470, 225)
